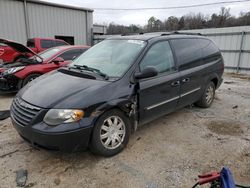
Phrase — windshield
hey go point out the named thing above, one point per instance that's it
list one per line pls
(111, 57)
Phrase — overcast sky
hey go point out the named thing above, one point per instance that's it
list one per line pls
(141, 17)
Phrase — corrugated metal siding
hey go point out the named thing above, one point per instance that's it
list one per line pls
(47, 21)
(44, 21)
(12, 22)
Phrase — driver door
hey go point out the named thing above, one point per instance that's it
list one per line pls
(158, 95)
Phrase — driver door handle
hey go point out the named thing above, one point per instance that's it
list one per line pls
(186, 80)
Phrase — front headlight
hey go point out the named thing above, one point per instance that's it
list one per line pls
(59, 116)
(14, 70)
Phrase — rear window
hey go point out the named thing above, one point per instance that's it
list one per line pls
(31, 43)
(186, 50)
(47, 43)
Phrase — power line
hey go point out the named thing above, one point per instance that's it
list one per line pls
(174, 7)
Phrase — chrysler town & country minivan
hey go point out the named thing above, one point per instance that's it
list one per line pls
(114, 87)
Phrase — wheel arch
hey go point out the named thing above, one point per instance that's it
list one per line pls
(215, 79)
(122, 104)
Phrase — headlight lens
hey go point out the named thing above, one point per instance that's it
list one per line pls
(14, 70)
(59, 116)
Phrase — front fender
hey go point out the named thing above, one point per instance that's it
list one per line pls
(123, 104)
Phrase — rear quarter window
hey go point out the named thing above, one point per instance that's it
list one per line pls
(186, 50)
(208, 47)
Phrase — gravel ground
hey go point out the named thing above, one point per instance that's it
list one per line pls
(169, 152)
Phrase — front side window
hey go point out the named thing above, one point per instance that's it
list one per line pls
(112, 57)
(71, 54)
(159, 56)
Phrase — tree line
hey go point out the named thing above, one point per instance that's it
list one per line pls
(189, 21)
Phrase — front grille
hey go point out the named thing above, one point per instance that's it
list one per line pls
(22, 112)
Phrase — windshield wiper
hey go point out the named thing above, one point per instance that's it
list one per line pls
(87, 68)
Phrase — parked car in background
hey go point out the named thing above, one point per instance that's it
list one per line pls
(9, 54)
(118, 84)
(15, 75)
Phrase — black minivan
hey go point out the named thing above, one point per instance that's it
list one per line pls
(117, 85)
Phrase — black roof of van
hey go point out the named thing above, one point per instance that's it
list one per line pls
(146, 37)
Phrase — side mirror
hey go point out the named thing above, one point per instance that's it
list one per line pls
(146, 73)
(57, 60)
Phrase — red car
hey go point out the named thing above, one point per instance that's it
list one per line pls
(15, 75)
(8, 54)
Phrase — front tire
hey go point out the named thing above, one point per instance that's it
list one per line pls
(110, 133)
(207, 97)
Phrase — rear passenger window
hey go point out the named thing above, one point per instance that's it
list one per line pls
(208, 47)
(159, 56)
(47, 44)
(60, 43)
(186, 50)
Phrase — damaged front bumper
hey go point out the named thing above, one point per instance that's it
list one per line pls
(8, 84)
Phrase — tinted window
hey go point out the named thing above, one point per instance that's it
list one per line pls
(159, 56)
(60, 43)
(208, 47)
(47, 43)
(186, 50)
(71, 54)
(31, 43)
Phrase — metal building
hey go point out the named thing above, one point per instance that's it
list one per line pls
(23, 19)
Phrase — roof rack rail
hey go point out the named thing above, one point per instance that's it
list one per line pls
(180, 33)
(129, 34)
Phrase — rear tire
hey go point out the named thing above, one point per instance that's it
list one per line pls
(30, 78)
(110, 133)
(207, 97)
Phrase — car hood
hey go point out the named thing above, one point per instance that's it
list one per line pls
(22, 62)
(17, 46)
(60, 90)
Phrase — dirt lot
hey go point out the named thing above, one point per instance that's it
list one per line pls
(169, 152)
